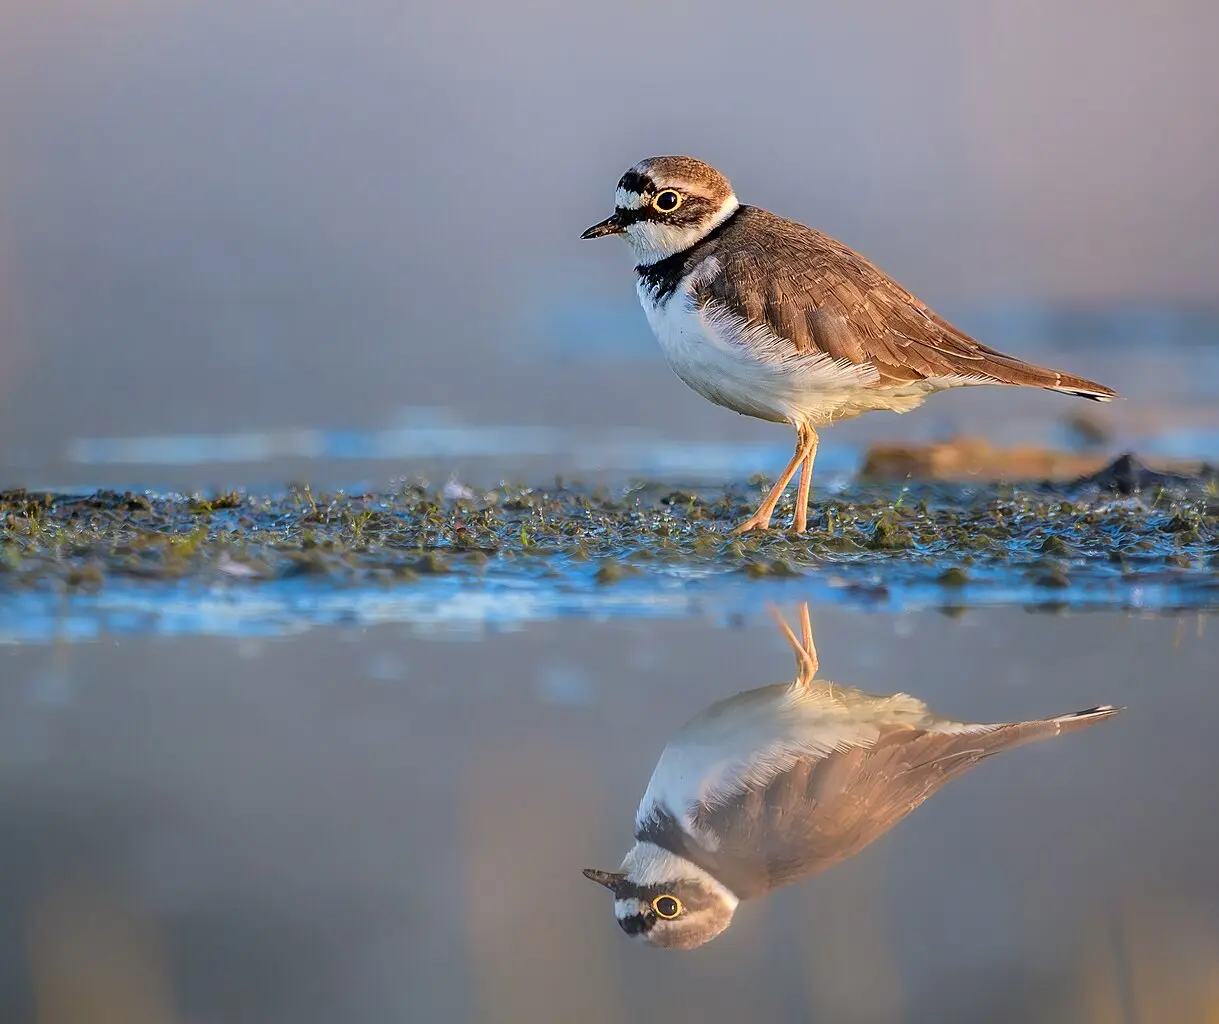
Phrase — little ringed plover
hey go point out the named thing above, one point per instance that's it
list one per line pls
(776, 320)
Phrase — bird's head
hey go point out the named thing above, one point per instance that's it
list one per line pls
(679, 912)
(665, 204)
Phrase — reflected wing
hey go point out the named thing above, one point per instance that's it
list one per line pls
(818, 811)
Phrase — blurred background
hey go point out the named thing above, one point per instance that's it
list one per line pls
(244, 243)
(239, 241)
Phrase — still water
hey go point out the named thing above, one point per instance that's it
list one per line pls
(389, 823)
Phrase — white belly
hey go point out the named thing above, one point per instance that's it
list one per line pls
(751, 371)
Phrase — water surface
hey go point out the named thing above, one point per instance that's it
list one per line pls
(369, 823)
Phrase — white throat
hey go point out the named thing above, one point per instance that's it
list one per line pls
(652, 241)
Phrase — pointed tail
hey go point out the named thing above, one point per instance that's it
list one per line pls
(1008, 736)
(1010, 370)
(1080, 719)
(1081, 388)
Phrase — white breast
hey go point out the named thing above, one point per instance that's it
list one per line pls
(733, 741)
(703, 359)
(746, 368)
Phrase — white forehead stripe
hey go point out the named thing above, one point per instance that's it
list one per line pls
(648, 864)
(626, 200)
(631, 907)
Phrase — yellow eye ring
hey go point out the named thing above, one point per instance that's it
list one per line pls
(672, 199)
(667, 907)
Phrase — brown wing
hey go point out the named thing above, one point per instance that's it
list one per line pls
(823, 297)
(824, 810)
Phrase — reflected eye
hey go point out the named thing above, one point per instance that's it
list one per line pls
(667, 907)
(666, 202)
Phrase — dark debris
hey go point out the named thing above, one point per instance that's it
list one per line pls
(1127, 475)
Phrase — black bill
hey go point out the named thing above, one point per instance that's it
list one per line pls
(609, 226)
(609, 879)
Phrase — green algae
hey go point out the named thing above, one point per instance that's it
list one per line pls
(953, 576)
(953, 535)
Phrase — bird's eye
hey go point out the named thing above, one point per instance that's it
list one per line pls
(667, 907)
(667, 201)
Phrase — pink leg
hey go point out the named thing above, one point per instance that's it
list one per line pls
(806, 482)
(806, 653)
(760, 520)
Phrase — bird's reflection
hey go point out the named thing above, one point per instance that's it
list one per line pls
(775, 784)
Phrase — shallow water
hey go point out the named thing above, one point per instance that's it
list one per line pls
(82, 567)
(371, 822)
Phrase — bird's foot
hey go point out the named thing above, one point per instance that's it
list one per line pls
(757, 521)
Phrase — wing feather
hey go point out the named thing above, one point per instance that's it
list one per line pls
(822, 298)
(819, 811)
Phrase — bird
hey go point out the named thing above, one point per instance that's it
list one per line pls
(775, 320)
(776, 784)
